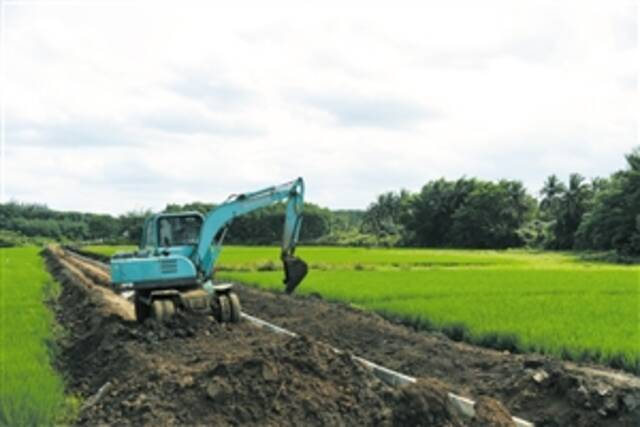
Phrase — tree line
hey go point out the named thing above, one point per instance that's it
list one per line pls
(21, 222)
(600, 214)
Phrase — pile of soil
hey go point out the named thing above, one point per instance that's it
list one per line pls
(543, 390)
(194, 371)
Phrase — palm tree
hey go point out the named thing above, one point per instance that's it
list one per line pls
(574, 203)
(576, 196)
(551, 192)
(633, 159)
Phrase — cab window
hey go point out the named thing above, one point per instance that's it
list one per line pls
(149, 234)
(179, 230)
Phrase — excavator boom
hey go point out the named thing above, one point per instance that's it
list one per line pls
(220, 217)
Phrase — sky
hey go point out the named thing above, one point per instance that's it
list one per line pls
(119, 106)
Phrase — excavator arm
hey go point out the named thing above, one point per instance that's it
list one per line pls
(220, 217)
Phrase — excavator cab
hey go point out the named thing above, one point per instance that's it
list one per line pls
(167, 230)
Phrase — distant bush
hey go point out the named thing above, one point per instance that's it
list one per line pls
(358, 239)
(10, 239)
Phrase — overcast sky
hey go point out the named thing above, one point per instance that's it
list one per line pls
(110, 107)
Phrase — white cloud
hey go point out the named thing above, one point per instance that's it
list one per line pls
(115, 106)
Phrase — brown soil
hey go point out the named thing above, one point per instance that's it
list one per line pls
(195, 371)
(543, 390)
(490, 412)
(424, 403)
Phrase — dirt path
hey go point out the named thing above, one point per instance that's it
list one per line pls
(539, 389)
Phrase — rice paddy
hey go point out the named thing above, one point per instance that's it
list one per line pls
(31, 392)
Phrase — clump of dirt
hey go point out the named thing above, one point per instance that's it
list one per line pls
(298, 382)
(195, 371)
(490, 412)
(425, 403)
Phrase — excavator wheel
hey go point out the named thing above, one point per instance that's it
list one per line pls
(169, 308)
(223, 310)
(157, 309)
(143, 311)
(163, 309)
(236, 309)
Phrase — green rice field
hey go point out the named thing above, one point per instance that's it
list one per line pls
(31, 393)
(519, 300)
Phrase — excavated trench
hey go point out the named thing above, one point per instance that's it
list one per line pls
(193, 370)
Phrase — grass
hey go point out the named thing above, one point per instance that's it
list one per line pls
(31, 393)
(555, 303)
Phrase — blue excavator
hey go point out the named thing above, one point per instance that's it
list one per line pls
(174, 264)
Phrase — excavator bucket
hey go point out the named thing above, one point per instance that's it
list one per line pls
(295, 270)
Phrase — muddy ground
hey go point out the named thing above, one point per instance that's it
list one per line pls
(195, 371)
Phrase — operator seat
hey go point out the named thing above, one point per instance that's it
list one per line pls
(166, 237)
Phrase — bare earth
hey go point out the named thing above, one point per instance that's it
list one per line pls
(196, 371)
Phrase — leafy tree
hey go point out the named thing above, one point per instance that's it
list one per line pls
(576, 201)
(264, 226)
(344, 220)
(614, 221)
(429, 215)
(201, 207)
(491, 216)
(383, 217)
(552, 193)
(130, 225)
(565, 206)
(101, 226)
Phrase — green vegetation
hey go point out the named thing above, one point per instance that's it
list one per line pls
(34, 222)
(30, 391)
(613, 222)
(9, 239)
(601, 214)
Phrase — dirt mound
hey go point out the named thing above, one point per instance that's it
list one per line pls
(194, 371)
(299, 381)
